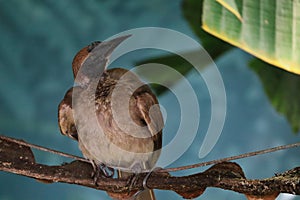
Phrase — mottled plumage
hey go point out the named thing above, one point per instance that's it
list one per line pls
(114, 116)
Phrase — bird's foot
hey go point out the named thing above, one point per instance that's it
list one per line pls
(134, 178)
(101, 170)
(108, 172)
(131, 182)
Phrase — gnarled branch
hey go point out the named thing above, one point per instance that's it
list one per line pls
(19, 159)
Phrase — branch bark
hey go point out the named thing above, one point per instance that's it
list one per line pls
(19, 159)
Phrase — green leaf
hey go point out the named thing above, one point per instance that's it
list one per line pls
(231, 5)
(192, 11)
(282, 89)
(269, 29)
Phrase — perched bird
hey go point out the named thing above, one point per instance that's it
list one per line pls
(114, 115)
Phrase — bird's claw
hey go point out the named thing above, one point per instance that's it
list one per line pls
(108, 172)
(101, 170)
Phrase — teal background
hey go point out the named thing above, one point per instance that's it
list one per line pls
(38, 40)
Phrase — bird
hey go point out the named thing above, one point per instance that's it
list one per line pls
(114, 116)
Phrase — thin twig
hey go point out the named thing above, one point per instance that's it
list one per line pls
(21, 142)
(245, 155)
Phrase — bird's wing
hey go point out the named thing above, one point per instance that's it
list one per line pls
(65, 116)
(149, 109)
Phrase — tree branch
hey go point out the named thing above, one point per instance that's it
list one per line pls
(19, 159)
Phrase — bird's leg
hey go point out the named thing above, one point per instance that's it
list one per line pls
(107, 171)
(101, 169)
(96, 172)
(136, 168)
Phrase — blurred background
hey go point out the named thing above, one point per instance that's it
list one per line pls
(38, 42)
